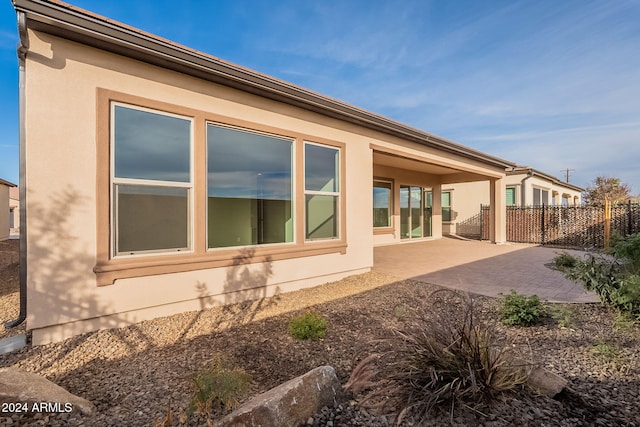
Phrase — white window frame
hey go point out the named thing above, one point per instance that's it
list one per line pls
(115, 181)
(290, 139)
(323, 193)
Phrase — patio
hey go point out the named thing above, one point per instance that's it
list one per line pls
(481, 268)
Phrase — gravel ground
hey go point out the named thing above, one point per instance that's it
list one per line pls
(136, 375)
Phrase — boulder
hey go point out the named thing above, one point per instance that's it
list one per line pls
(34, 393)
(290, 404)
(546, 383)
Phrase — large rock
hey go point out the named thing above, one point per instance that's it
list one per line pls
(546, 383)
(290, 404)
(37, 394)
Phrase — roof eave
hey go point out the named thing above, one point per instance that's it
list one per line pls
(77, 25)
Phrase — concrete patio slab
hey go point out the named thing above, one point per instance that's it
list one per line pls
(481, 268)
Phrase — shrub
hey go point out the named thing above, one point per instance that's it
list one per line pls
(519, 310)
(440, 359)
(615, 278)
(564, 260)
(563, 315)
(220, 387)
(310, 325)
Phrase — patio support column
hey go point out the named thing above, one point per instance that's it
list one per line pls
(498, 211)
(436, 217)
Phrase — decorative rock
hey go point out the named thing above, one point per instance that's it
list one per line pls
(39, 394)
(289, 404)
(546, 383)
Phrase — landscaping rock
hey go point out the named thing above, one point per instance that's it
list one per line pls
(546, 383)
(289, 404)
(37, 394)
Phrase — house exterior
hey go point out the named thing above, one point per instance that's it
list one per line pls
(196, 182)
(5, 209)
(524, 186)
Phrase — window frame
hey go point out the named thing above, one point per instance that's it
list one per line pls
(292, 140)
(450, 205)
(335, 194)
(147, 183)
(390, 227)
(109, 268)
(515, 196)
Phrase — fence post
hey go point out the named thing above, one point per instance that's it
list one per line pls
(607, 223)
(481, 221)
(629, 219)
(542, 223)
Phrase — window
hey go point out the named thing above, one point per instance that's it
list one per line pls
(151, 181)
(249, 188)
(511, 196)
(181, 189)
(322, 190)
(382, 203)
(446, 205)
(540, 197)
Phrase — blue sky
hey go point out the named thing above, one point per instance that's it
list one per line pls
(549, 84)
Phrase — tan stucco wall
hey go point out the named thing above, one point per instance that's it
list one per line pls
(61, 83)
(62, 79)
(4, 212)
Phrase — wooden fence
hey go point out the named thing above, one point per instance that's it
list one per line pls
(567, 226)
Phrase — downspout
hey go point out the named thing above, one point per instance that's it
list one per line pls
(523, 195)
(23, 48)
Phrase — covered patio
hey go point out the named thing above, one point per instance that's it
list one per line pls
(481, 268)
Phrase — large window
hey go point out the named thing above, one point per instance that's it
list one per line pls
(446, 205)
(322, 191)
(249, 188)
(151, 181)
(540, 197)
(382, 203)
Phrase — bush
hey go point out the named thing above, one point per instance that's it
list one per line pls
(220, 387)
(564, 260)
(446, 358)
(519, 310)
(615, 278)
(310, 325)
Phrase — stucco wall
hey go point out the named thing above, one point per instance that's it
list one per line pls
(63, 299)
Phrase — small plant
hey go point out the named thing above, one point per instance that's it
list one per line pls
(563, 315)
(447, 358)
(519, 310)
(400, 312)
(308, 326)
(564, 260)
(605, 351)
(220, 387)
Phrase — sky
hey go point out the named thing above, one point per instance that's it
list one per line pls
(550, 84)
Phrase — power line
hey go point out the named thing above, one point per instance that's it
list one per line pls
(567, 173)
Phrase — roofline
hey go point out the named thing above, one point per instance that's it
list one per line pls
(554, 180)
(7, 183)
(67, 21)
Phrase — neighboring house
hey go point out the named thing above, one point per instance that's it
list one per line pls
(14, 210)
(524, 186)
(195, 182)
(5, 209)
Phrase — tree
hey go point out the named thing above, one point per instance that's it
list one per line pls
(606, 188)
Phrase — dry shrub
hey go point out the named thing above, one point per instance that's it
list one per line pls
(447, 357)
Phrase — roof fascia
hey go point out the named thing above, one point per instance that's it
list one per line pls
(62, 20)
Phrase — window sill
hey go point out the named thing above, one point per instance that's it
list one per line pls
(384, 230)
(110, 271)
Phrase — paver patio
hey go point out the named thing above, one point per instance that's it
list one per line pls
(481, 268)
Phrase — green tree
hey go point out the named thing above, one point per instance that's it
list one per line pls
(606, 188)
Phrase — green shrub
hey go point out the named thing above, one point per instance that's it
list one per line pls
(220, 387)
(615, 278)
(564, 260)
(605, 351)
(310, 325)
(519, 310)
(447, 358)
(563, 315)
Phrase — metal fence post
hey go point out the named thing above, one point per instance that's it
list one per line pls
(629, 219)
(543, 229)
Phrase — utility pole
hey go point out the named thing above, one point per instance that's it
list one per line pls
(567, 172)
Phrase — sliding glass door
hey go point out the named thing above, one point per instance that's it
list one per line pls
(415, 212)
